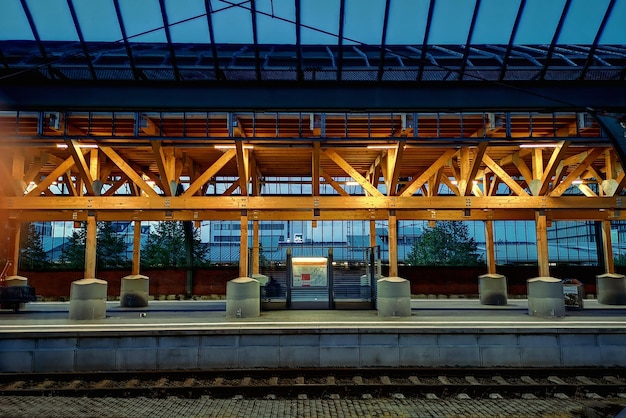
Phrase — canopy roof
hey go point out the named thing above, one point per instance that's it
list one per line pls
(353, 40)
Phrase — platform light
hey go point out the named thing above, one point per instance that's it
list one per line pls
(352, 183)
(577, 181)
(63, 146)
(389, 146)
(232, 147)
(539, 145)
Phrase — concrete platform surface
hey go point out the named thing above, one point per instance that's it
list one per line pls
(461, 314)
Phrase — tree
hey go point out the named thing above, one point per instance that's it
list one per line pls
(447, 244)
(32, 254)
(110, 248)
(166, 247)
(73, 252)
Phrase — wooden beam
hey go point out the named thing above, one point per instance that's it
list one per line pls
(256, 251)
(81, 164)
(498, 171)
(210, 172)
(490, 249)
(394, 162)
(393, 244)
(350, 171)
(315, 169)
(242, 167)
(419, 180)
(607, 247)
(159, 159)
(128, 170)
(553, 163)
(52, 177)
(90, 248)
(333, 183)
(243, 245)
(577, 172)
(541, 225)
(136, 247)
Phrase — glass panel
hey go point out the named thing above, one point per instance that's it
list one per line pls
(427, 125)
(101, 124)
(288, 125)
(539, 21)
(335, 125)
(359, 125)
(142, 16)
(326, 24)
(275, 31)
(173, 125)
(455, 14)
(542, 125)
(13, 22)
(226, 17)
(614, 33)
(582, 11)
(53, 20)
(407, 22)
(474, 125)
(495, 21)
(364, 21)
(53, 124)
(520, 124)
(218, 125)
(77, 123)
(191, 31)
(450, 125)
(98, 20)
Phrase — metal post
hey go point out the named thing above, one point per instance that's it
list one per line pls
(331, 299)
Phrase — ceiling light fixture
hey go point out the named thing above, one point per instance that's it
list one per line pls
(232, 147)
(63, 146)
(539, 145)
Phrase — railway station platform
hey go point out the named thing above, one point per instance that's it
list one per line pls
(187, 335)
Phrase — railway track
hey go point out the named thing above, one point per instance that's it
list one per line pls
(327, 383)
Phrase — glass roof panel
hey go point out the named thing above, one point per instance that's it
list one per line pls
(227, 17)
(575, 33)
(192, 31)
(494, 22)
(325, 24)
(53, 20)
(451, 22)
(13, 22)
(539, 21)
(276, 31)
(98, 21)
(141, 16)
(614, 32)
(407, 22)
(364, 22)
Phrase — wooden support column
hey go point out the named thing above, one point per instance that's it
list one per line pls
(607, 247)
(13, 247)
(372, 233)
(243, 245)
(541, 224)
(136, 247)
(490, 249)
(90, 247)
(256, 250)
(393, 244)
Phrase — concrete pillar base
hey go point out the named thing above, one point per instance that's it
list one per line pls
(134, 291)
(611, 289)
(243, 298)
(545, 297)
(492, 289)
(394, 297)
(88, 299)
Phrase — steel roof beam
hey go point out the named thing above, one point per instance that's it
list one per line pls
(509, 47)
(83, 44)
(468, 43)
(33, 28)
(420, 71)
(312, 96)
(342, 14)
(300, 75)
(118, 11)
(219, 74)
(255, 40)
(555, 38)
(383, 42)
(168, 37)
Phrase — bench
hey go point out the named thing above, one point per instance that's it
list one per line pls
(11, 297)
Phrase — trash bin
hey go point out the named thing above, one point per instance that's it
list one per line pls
(394, 297)
(243, 298)
(573, 294)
